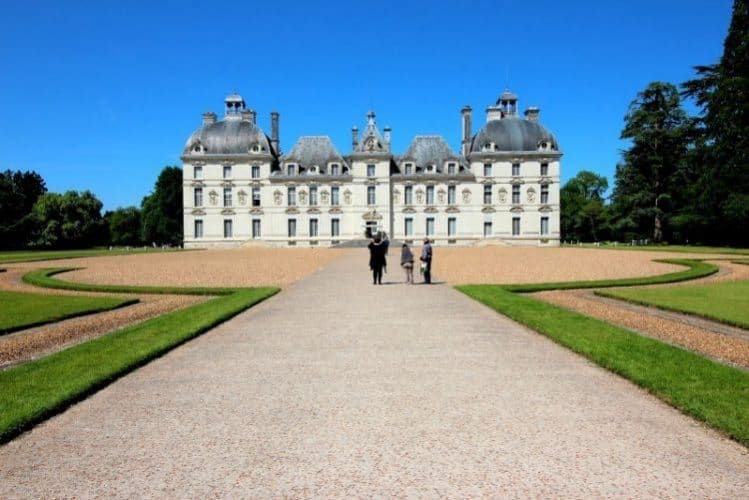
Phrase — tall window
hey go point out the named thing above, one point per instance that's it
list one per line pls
(227, 228)
(198, 172)
(409, 169)
(452, 226)
(516, 194)
(290, 169)
(335, 198)
(408, 195)
(198, 198)
(545, 194)
(313, 195)
(408, 226)
(515, 226)
(255, 197)
(487, 169)
(487, 194)
(487, 229)
(256, 228)
(370, 195)
(430, 226)
(198, 228)
(451, 168)
(370, 170)
(227, 171)
(227, 197)
(516, 169)
(544, 169)
(544, 225)
(335, 227)
(292, 228)
(451, 195)
(256, 171)
(334, 169)
(291, 196)
(430, 195)
(312, 228)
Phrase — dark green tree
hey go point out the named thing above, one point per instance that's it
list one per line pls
(722, 92)
(124, 226)
(18, 193)
(660, 131)
(584, 215)
(161, 211)
(70, 220)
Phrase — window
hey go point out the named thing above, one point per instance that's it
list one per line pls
(370, 170)
(487, 194)
(198, 172)
(255, 197)
(334, 196)
(198, 198)
(408, 195)
(334, 169)
(516, 169)
(487, 169)
(452, 225)
(198, 228)
(545, 194)
(451, 195)
(292, 228)
(487, 229)
(290, 169)
(313, 195)
(256, 228)
(544, 225)
(370, 195)
(451, 168)
(408, 226)
(227, 197)
(313, 228)
(291, 197)
(335, 227)
(227, 171)
(516, 194)
(430, 195)
(544, 169)
(430, 168)
(515, 226)
(409, 169)
(227, 228)
(430, 226)
(256, 171)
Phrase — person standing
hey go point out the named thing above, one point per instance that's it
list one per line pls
(376, 260)
(426, 258)
(407, 263)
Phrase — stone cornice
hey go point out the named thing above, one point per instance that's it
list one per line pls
(243, 158)
(512, 155)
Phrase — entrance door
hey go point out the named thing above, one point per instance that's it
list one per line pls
(371, 229)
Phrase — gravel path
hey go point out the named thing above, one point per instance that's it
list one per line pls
(337, 388)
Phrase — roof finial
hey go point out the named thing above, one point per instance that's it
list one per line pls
(371, 118)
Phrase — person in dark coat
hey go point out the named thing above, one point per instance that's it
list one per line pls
(376, 260)
(426, 258)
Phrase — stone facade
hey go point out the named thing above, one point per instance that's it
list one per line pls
(502, 188)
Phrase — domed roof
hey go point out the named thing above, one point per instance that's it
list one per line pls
(230, 136)
(513, 134)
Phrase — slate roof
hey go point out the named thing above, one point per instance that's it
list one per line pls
(513, 134)
(428, 150)
(230, 136)
(314, 150)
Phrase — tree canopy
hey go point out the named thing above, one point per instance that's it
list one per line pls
(584, 215)
(70, 220)
(18, 193)
(162, 210)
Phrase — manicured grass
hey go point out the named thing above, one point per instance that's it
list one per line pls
(24, 310)
(667, 248)
(709, 391)
(724, 302)
(36, 390)
(36, 255)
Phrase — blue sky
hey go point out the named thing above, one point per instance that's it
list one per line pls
(102, 95)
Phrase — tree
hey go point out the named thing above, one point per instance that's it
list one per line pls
(18, 193)
(660, 131)
(161, 216)
(584, 215)
(70, 220)
(722, 92)
(124, 226)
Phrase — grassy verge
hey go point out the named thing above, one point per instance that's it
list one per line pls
(24, 310)
(37, 255)
(709, 391)
(723, 302)
(34, 391)
(667, 248)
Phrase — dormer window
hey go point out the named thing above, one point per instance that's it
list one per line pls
(334, 169)
(430, 168)
(255, 148)
(290, 169)
(198, 172)
(227, 171)
(451, 168)
(409, 169)
(313, 169)
(487, 147)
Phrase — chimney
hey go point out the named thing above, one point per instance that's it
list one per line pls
(387, 131)
(467, 132)
(274, 131)
(354, 137)
(209, 118)
(531, 114)
(249, 115)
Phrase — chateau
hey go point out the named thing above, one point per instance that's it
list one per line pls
(502, 188)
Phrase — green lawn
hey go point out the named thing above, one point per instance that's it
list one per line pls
(667, 248)
(24, 310)
(725, 302)
(36, 255)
